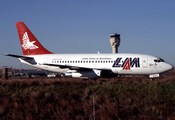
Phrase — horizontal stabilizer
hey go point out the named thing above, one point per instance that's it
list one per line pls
(18, 56)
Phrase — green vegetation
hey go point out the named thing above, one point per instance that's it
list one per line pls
(73, 99)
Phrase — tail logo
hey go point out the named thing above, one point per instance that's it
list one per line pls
(27, 44)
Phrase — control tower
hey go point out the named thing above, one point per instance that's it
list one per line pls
(115, 42)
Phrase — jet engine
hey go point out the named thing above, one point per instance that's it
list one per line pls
(83, 74)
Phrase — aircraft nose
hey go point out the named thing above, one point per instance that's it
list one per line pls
(169, 67)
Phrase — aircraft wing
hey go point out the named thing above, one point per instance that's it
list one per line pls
(77, 67)
(18, 56)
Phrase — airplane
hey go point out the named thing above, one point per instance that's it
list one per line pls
(86, 66)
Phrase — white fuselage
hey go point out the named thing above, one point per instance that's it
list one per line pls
(134, 64)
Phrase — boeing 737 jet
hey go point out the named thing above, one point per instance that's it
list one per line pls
(86, 65)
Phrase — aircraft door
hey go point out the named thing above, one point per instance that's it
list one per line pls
(145, 62)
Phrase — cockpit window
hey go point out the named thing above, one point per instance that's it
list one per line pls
(159, 60)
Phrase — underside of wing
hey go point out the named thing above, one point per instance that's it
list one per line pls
(76, 67)
(84, 72)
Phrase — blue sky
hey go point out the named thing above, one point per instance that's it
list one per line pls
(74, 26)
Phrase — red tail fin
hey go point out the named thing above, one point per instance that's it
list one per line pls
(30, 45)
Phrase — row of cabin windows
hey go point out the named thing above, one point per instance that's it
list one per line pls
(82, 61)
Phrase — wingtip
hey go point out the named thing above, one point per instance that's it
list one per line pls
(5, 54)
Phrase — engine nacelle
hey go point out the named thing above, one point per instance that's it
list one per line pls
(84, 74)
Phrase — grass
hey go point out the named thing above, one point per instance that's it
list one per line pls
(115, 98)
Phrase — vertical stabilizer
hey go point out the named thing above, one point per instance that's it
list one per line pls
(29, 44)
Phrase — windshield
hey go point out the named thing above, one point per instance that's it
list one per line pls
(159, 60)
